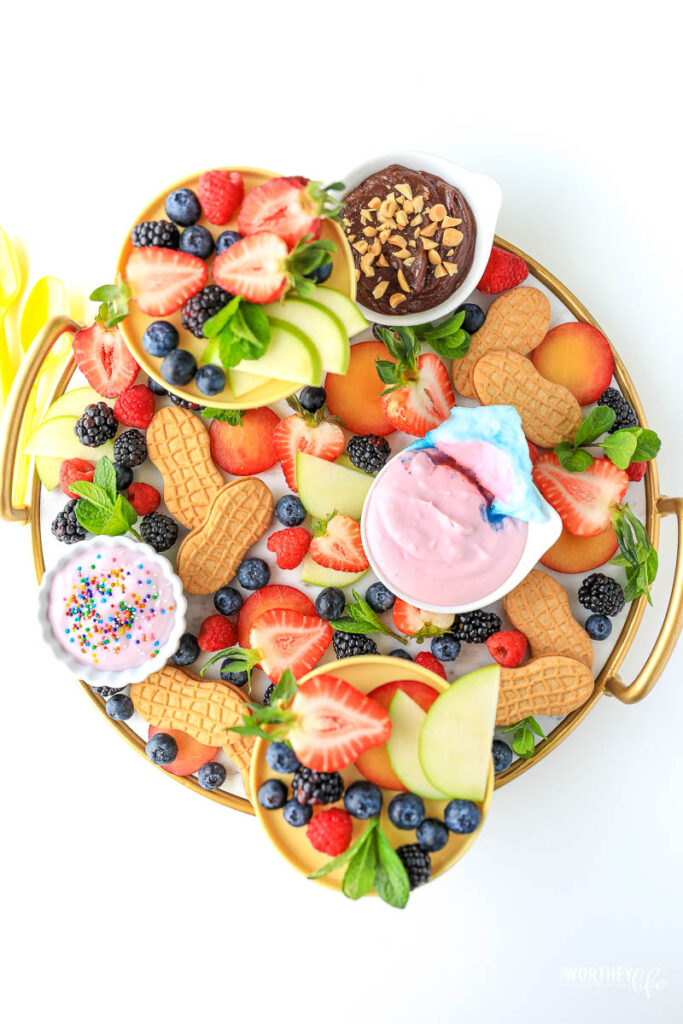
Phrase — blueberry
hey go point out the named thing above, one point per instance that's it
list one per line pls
(432, 835)
(380, 598)
(124, 477)
(253, 574)
(210, 379)
(289, 511)
(211, 775)
(312, 399)
(155, 388)
(179, 367)
(227, 601)
(296, 814)
(330, 603)
(236, 678)
(502, 756)
(160, 338)
(400, 652)
(119, 707)
(474, 316)
(226, 239)
(161, 748)
(188, 650)
(598, 627)
(197, 241)
(406, 811)
(321, 273)
(363, 800)
(281, 758)
(462, 816)
(273, 794)
(182, 207)
(445, 648)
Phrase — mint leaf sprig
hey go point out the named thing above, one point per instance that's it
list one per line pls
(523, 742)
(277, 715)
(405, 344)
(360, 618)
(631, 444)
(231, 416)
(241, 330)
(371, 862)
(100, 510)
(114, 302)
(638, 558)
(448, 339)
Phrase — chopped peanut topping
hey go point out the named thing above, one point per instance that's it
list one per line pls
(396, 299)
(452, 268)
(437, 212)
(379, 289)
(452, 237)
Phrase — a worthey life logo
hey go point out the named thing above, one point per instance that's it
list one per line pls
(646, 981)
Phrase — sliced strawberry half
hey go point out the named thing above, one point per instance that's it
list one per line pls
(261, 268)
(289, 640)
(413, 621)
(583, 500)
(335, 723)
(424, 403)
(161, 280)
(298, 433)
(290, 207)
(104, 359)
(340, 546)
(263, 600)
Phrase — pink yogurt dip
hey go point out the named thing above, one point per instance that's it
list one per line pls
(428, 536)
(110, 608)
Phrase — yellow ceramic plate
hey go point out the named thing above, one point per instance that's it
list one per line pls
(133, 327)
(365, 673)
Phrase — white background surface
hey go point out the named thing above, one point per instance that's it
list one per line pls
(124, 895)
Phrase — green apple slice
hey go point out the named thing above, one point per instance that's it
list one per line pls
(57, 439)
(321, 576)
(72, 403)
(323, 326)
(47, 469)
(347, 311)
(242, 383)
(291, 355)
(326, 487)
(407, 719)
(455, 740)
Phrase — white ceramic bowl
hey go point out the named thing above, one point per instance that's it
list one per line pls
(121, 677)
(540, 537)
(481, 192)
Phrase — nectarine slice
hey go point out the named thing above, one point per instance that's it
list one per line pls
(577, 356)
(355, 395)
(374, 764)
(579, 554)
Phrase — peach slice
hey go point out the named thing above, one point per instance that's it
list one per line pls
(579, 554)
(577, 356)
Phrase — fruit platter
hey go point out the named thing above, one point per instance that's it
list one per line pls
(344, 510)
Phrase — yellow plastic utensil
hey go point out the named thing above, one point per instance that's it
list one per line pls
(10, 288)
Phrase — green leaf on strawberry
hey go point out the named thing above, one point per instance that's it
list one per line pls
(114, 300)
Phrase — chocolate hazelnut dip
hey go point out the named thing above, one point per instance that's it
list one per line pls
(412, 236)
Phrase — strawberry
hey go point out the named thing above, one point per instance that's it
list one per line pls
(533, 450)
(427, 660)
(261, 268)
(636, 471)
(414, 621)
(339, 545)
(104, 359)
(585, 500)
(144, 498)
(273, 596)
(330, 831)
(72, 470)
(305, 432)
(507, 647)
(504, 270)
(161, 280)
(216, 633)
(289, 546)
(135, 407)
(220, 194)
(419, 395)
(290, 207)
(283, 639)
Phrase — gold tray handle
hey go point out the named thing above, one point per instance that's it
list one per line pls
(671, 627)
(16, 408)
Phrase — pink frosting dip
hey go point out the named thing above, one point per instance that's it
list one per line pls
(111, 608)
(427, 532)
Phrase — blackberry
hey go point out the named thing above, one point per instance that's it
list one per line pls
(625, 415)
(201, 307)
(310, 787)
(417, 862)
(160, 233)
(130, 448)
(347, 645)
(184, 404)
(265, 700)
(601, 594)
(97, 425)
(161, 532)
(66, 528)
(107, 691)
(475, 627)
(369, 452)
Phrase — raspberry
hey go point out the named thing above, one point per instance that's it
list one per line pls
(220, 193)
(504, 270)
(289, 546)
(636, 471)
(330, 831)
(507, 647)
(72, 470)
(216, 633)
(428, 660)
(144, 498)
(135, 407)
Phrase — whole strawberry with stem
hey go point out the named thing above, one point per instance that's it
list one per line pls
(305, 432)
(418, 396)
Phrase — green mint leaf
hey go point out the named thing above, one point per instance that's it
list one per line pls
(386, 371)
(647, 444)
(216, 324)
(597, 422)
(229, 348)
(574, 460)
(453, 347)
(359, 876)
(619, 560)
(231, 416)
(343, 858)
(258, 323)
(533, 724)
(349, 625)
(652, 564)
(91, 517)
(619, 447)
(391, 879)
(95, 494)
(106, 293)
(105, 477)
(211, 353)
(126, 510)
(523, 742)
(285, 690)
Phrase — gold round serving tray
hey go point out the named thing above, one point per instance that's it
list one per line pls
(608, 681)
(133, 327)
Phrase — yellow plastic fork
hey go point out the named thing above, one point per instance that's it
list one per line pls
(10, 288)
